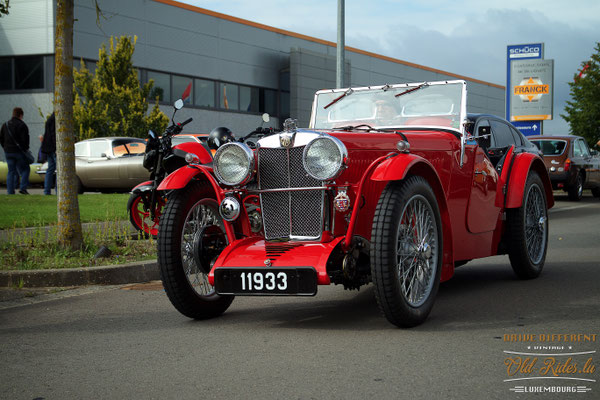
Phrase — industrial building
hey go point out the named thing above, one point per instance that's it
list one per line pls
(239, 68)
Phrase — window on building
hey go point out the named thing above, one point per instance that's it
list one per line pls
(162, 86)
(204, 93)
(29, 72)
(5, 74)
(249, 99)
(268, 101)
(284, 104)
(180, 83)
(228, 95)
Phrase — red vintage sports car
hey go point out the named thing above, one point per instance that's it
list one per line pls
(392, 185)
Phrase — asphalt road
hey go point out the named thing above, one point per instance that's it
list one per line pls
(129, 342)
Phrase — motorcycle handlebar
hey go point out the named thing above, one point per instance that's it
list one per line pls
(187, 121)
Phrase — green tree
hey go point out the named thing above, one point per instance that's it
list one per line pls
(111, 102)
(4, 5)
(583, 110)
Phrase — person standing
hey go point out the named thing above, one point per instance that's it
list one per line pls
(49, 150)
(14, 138)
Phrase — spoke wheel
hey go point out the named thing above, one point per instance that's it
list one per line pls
(528, 230)
(139, 212)
(406, 251)
(190, 238)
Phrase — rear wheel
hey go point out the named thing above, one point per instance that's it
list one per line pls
(191, 235)
(576, 191)
(528, 230)
(406, 259)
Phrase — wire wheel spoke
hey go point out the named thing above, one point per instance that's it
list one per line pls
(416, 250)
(536, 226)
(202, 215)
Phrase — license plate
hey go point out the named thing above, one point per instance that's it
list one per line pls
(270, 282)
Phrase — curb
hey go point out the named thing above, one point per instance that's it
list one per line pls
(135, 272)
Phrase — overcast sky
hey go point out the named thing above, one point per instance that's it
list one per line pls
(466, 37)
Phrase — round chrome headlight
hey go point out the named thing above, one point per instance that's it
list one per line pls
(324, 157)
(233, 164)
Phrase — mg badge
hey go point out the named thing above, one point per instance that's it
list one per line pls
(342, 201)
(286, 140)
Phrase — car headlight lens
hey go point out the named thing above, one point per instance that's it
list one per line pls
(324, 158)
(233, 164)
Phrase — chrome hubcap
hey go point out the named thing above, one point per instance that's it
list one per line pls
(417, 250)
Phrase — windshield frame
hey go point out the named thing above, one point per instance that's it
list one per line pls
(407, 86)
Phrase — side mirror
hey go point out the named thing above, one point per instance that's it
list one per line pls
(103, 155)
(483, 136)
(178, 104)
(151, 134)
(266, 117)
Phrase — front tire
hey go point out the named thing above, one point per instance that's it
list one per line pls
(528, 230)
(576, 191)
(139, 212)
(185, 255)
(406, 260)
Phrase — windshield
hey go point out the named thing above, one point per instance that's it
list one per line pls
(550, 147)
(431, 104)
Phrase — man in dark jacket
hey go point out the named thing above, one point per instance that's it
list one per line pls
(14, 138)
(49, 149)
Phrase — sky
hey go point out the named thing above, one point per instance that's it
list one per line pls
(464, 37)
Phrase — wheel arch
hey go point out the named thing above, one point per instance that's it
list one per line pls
(522, 164)
(397, 169)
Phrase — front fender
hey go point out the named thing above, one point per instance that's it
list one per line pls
(523, 163)
(395, 168)
(143, 187)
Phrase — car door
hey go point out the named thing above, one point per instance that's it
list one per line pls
(482, 212)
(102, 170)
(591, 165)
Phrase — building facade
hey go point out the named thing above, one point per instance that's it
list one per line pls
(238, 68)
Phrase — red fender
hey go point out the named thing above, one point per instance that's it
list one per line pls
(147, 183)
(396, 168)
(198, 149)
(180, 178)
(522, 164)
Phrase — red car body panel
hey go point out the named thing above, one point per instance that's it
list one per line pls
(470, 205)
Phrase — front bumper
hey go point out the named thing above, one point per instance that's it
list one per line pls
(257, 253)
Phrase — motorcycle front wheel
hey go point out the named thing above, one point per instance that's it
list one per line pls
(191, 236)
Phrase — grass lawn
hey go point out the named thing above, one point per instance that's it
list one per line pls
(20, 211)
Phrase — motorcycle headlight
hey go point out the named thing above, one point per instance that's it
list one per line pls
(324, 158)
(233, 164)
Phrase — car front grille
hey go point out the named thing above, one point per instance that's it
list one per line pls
(288, 214)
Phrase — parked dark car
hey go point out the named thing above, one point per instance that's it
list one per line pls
(571, 165)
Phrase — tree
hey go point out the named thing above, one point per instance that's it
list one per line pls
(69, 222)
(583, 110)
(111, 101)
(4, 5)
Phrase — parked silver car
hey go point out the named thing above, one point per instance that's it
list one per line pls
(108, 164)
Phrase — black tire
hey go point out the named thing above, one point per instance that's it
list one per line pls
(527, 230)
(194, 301)
(576, 191)
(391, 234)
(596, 192)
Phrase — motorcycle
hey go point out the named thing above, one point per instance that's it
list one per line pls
(147, 201)
(192, 232)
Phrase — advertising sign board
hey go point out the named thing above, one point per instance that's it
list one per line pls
(528, 128)
(519, 52)
(531, 86)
